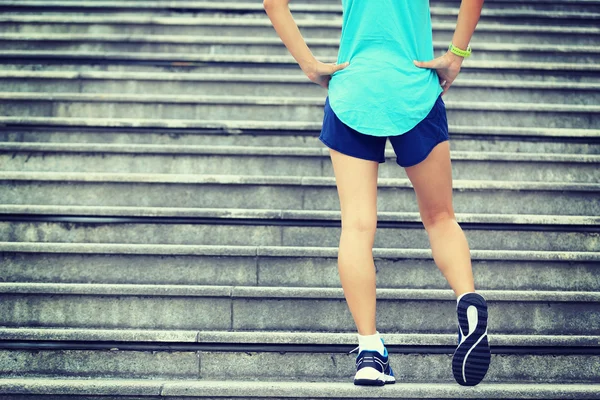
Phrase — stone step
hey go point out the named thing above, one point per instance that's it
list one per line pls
(276, 85)
(440, 13)
(315, 356)
(245, 365)
(116, 389)
(283, 266)
(270, 65)
(488, 139)
(33, 223)
(239, 308)
(253, 27)
(281, 192)
(259, 108)
(227, 160)
(336, 342)
(271, 46)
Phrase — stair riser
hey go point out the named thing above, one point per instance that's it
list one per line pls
(482, 35)
(285, 271)
(150, 110)
(264, 314)
(282, 165)
(273, 235)
(308, 89)
(288, 197)
(251, 366)
(275, 50)
(251, 67)
(282, 139)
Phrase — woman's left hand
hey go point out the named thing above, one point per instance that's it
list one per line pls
(320, 73)
(447, 67)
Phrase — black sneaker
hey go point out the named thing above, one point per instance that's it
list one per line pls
(373, 369)
(472, 357)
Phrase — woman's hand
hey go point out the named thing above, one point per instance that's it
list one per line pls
(446, 66)
(320, 73)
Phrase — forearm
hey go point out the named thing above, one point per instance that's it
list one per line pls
(281, 17)
(468, 17)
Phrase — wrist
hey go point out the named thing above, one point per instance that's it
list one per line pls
(308, 66)
(454, 58)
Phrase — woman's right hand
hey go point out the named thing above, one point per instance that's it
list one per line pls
(320, 73)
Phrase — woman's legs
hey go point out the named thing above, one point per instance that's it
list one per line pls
(432, 180)
(356, 181)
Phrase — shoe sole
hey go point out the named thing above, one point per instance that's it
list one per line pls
(472, 357)
(376, 382)
(368, 382)
(377, 379)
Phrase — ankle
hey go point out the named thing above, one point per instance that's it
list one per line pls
(371, 342)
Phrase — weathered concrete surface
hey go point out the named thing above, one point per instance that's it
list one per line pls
(279, 192)
(283, 338)
(280, 161)
(209, 390)
(260, 308)
(481, 237)
(100, 364)
(286, 366)
(282, 266)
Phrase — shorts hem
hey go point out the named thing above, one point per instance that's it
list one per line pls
(347, 154)
(424, 156)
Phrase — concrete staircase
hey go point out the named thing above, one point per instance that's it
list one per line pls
(169, 219)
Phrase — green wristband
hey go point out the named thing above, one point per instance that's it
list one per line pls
(459, 52)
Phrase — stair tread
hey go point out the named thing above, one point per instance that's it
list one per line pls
(244, 21)
(279, 251)
(270, 40)
(158, 149)
(264, 292)
(267, 78)
(286, 214)
(280, 180)
(237, 127)
(278, 59)
(279, 101)
(280, 338)
(250, 389)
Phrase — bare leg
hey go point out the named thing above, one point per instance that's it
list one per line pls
(432, 180)
(356, 181)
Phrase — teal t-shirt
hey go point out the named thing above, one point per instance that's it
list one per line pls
(381, 92)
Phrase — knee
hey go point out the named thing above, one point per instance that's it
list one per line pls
(360, 224)
(433, 218)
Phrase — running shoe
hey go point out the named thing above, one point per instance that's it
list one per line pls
(373, 369)
(471, 359)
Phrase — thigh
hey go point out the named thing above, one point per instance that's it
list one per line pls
(432, 181)
(356, 181)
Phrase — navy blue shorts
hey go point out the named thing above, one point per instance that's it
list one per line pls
(411, 147)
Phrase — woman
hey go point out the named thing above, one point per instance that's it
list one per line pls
(377, 91)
